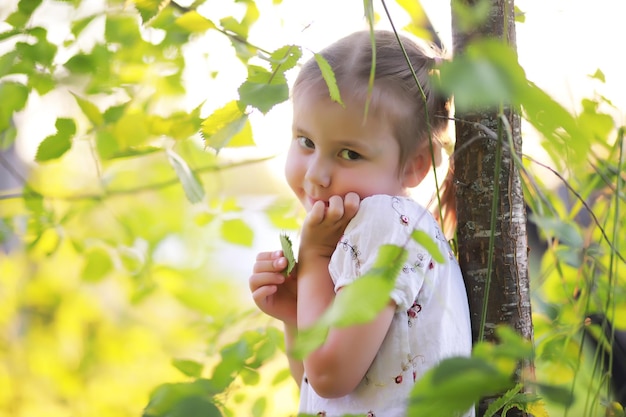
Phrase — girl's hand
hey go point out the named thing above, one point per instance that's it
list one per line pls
(324, 225)
(274, 294)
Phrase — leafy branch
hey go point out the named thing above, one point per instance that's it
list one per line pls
(131, 190)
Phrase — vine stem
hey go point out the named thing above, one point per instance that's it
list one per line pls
(492, 238)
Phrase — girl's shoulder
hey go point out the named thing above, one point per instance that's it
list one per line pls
(394, 211)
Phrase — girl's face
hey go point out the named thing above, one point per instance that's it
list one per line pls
(333, 152)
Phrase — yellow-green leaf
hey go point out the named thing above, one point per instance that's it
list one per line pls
(148, 9)
(55, 146)
(429, 244)
(227, 126)
(329, 76)
(191, 183)
(237, 231)
(194, 22)
(90, 110)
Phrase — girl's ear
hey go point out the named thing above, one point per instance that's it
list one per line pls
(415, 170)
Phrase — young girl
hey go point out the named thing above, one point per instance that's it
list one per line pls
(352, 170)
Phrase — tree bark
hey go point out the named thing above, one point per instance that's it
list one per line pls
(476, 159)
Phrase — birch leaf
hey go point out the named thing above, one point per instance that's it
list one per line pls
(191, 184)
(287, 247)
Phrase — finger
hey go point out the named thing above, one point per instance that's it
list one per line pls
(260, 295)
(271, 265)
(335, 208)
(264, 256)
(316, 214)
(265, 278)
(351, 203)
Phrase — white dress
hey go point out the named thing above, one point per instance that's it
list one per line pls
(432, 315)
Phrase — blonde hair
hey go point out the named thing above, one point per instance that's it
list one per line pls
(411, 104)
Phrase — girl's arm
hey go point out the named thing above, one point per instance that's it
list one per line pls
(337, 367)
(295, 365)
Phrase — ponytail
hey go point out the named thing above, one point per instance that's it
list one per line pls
(445, 211)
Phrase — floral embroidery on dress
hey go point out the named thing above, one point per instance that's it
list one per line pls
(408, 268)
(354, 251)
(404, 219)
(405, 366)
(421, 257)
(438, 233)
(412, 312)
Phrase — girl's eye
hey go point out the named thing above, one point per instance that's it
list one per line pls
(306, 142)
(349, 155)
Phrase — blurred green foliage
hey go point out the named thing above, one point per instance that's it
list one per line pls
(114, 296)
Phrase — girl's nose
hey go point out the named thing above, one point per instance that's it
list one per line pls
(318, 172)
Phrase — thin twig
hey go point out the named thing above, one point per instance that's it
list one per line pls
(138, 189)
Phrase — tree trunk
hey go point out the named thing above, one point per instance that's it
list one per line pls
(476, 160)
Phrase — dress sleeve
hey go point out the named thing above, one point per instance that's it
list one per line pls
(382, 220)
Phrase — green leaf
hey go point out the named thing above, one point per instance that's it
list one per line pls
(429, 244)
(502, 400)
(287, 247)
(470, 16)
(167, 397)
(106, 144)
(259, 406)
(198, 406)
(357, 303)
(188, 367)
(7, 62)
(42, 52)
(558, 126)
(55, 146)
(148, 9)
(231, 24)
(233, 360)
(512, 345)
(178, 125)
(329, 76)
(557, 394)
(454, 385)
(122, 29)
(191, 183)
(564, 230)
(25, 9)
(227, 126)
(599, 125)
(43, 83)
(238, 232)
(79, 25)
(132, 129)
(81, 64)
(115, 113)
(263, 89)
(14, 96)
(194, 22)
(90, 110)
(98, 264)
(420, 25)
(7, 137)
(285, 58)
(249, 376)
